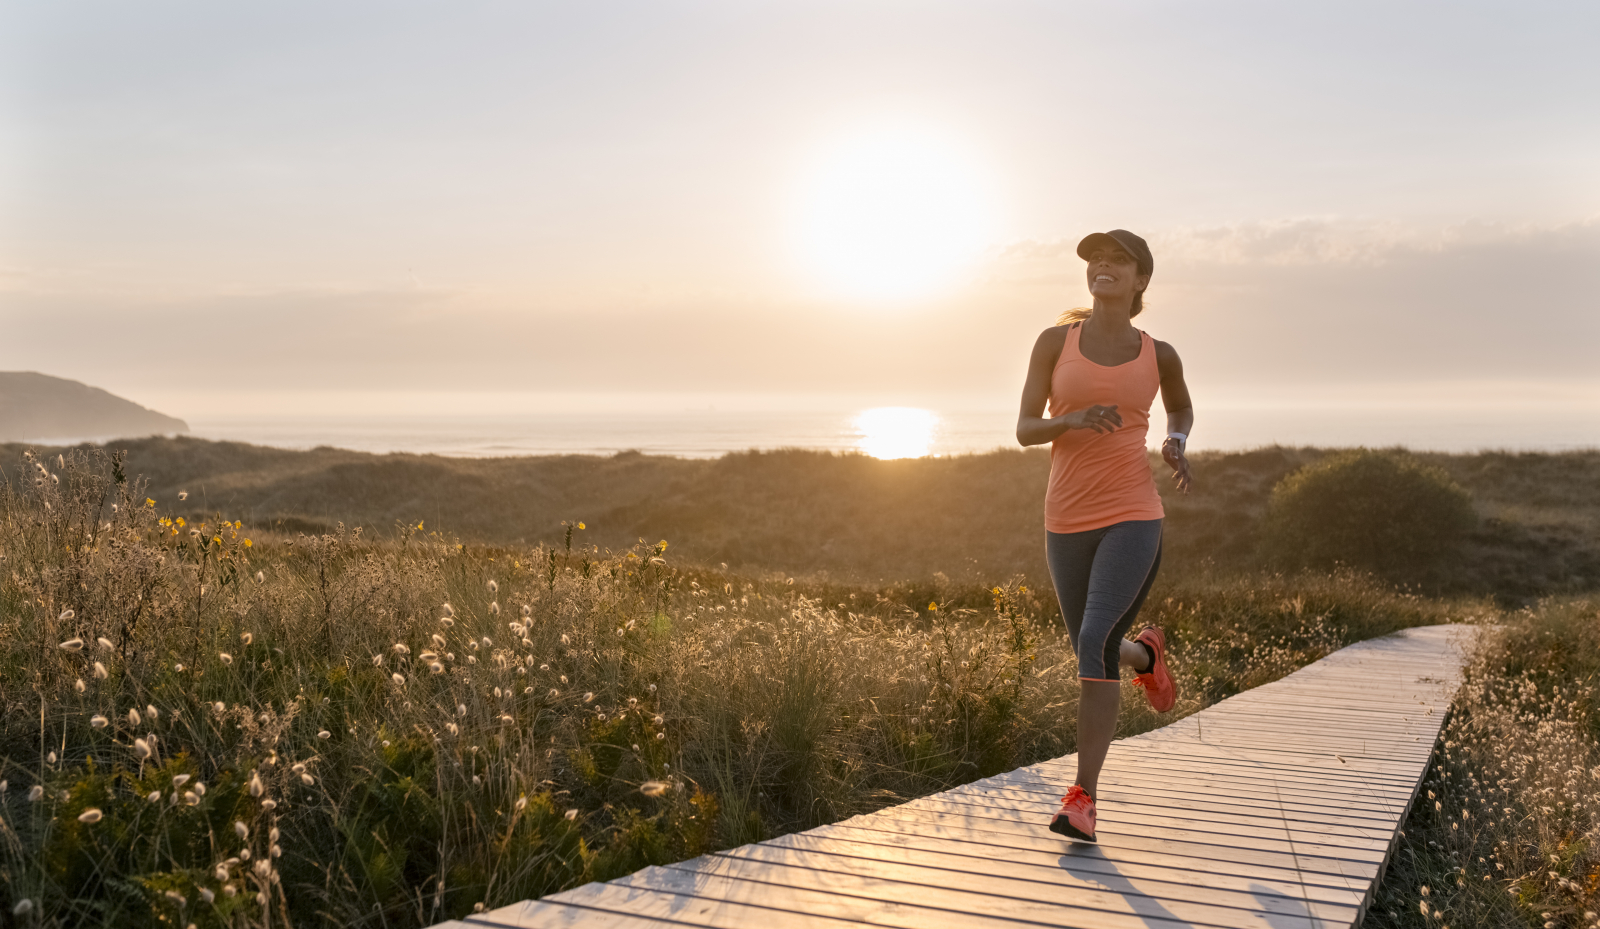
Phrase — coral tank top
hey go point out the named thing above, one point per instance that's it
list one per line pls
(1097, 479)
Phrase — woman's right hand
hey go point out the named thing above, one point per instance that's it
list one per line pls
(1100, 418)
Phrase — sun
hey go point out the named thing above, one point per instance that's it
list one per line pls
(895, 431)
(893, 213)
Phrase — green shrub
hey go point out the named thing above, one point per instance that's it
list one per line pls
(1382, 511)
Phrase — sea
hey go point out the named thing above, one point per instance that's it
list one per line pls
(892, 431)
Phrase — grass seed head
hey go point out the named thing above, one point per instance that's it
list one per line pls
(91, 815)
(71, 645)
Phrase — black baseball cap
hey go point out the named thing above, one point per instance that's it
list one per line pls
(1123, 239)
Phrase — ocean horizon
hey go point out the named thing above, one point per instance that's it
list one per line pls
(885, 432)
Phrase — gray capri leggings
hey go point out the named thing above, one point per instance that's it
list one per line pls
(1102, 577)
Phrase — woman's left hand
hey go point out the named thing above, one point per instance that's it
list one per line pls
(1172, 454)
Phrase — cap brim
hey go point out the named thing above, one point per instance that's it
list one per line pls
(1096, 240)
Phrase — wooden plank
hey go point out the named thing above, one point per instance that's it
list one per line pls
(1152, 819)
(1329, 776)
(545, 913)
(1309, 766)
(1136, 805)
(1335, 869)
(1088, 860)
(1178, 855)
(629, 897)
(1204, 906)
(1113, 820)
(1116, 790)
(1277, 807)
(886, 903)
(1245, 781)
(1397, 755)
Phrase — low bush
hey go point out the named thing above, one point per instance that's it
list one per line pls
(1379, 511)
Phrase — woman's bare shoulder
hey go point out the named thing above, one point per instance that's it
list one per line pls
(1167, 357)
(1054, 336)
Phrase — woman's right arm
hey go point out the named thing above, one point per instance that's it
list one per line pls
(1033, 427)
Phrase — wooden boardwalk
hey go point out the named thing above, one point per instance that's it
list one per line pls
(1276, 808)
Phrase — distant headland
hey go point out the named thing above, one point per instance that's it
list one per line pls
(37, 407)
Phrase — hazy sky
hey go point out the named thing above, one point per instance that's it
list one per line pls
(347, 205)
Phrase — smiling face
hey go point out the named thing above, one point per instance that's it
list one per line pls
(1114, 275)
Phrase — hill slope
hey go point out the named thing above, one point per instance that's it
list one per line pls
(37, 406)
(848, 516)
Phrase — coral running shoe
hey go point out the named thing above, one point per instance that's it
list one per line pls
(1076, 817)
(1157, 683)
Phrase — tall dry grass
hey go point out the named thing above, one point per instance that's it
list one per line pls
(205, 726)
(1507, 831)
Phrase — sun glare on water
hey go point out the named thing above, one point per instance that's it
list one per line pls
(896, 431)
(894, 213)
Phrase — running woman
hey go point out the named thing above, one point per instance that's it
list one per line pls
(1102, 512)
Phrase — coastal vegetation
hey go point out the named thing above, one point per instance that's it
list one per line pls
(854, 519)
(1506, 830)
(232, 719)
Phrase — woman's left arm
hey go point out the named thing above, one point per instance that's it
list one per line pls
(1180, 413)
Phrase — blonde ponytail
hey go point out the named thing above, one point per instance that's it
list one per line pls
(1080, 313)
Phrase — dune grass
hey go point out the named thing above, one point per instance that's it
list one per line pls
(206, 724)
(1507, 830)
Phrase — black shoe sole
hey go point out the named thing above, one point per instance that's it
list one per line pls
(1061, 826)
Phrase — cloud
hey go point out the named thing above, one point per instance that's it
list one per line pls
(1260, 309)
(1328, 301)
